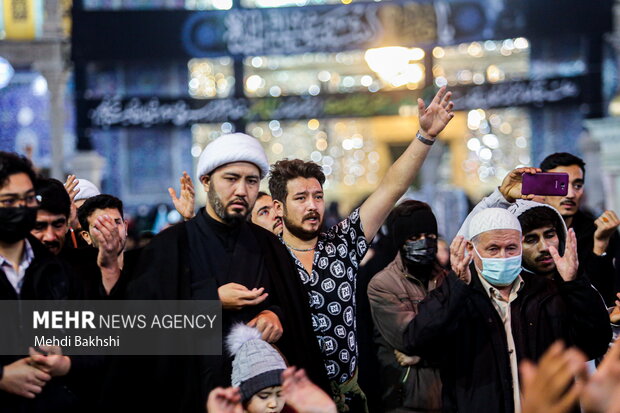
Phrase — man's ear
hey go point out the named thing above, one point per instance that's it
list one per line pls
(278, 207)
(204, 180)
(86, 236)
(469, 246)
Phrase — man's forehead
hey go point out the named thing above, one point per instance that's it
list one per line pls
(301, 184)
(17, 184)
(263, 201)
(112, 212)
(43, 215)
(540, 230)
(574, 171)
(496, 235)
(238, 168)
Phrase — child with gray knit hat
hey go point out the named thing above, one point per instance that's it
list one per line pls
(261, 381)
(256, 369)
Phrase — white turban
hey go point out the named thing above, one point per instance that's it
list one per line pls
(235, 147)
(87, 189)
(492, 219)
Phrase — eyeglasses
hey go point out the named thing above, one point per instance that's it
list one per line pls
(30, 200)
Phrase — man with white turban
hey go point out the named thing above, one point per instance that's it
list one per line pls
(219, 255)
(489, 314)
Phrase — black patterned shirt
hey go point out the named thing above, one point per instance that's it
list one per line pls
(331, 290)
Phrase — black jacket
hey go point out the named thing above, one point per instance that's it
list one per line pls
(181, 383)
(458, 327)
(46, 278)
(600, 270)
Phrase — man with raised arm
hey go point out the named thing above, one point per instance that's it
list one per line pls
(327, 261)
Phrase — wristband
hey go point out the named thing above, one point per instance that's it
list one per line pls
(422, 139)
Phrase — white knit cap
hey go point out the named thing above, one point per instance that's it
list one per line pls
(491, 219)
(87, 189)
(234, 147)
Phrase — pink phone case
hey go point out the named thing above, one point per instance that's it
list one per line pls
(545, 183)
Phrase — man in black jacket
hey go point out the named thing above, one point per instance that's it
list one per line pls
(489, 315)
(218, 255)
(598, 239)
(28, 271)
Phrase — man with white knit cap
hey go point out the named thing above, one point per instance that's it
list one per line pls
(489, 314)
(219, 255)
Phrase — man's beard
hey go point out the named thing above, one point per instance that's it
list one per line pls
(298, 231)
(221, 210)
(52, 245)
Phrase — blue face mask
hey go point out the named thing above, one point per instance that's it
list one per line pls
(500, 272)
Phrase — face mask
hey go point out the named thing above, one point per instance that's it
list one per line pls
(16, 223)
(500, 272)
(420, 252)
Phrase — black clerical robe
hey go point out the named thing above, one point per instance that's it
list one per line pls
(190, 261)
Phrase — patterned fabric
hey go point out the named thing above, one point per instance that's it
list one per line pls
(331, 289)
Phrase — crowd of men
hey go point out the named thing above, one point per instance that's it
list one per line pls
(524, 272)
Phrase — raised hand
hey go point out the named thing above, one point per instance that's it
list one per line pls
(185, 203)
(268, 323)
(235, 296)
(568, 264)
(513, 182)
(606, 225)
(108, 241)
(70, 186)
(550, 387)
(303, 395)
(460, 260)
(435, 117)
(224, 400)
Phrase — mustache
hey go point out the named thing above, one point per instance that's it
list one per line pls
(567, 202)
(311, 215)
(277, 223)
(238, 201)
(543, 257)
(51, 244)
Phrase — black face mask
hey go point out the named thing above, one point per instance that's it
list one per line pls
(16, 223)
(420, 252)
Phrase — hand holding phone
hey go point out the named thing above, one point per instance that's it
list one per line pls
(545, 183)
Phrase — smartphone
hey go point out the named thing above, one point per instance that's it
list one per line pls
(545, 183)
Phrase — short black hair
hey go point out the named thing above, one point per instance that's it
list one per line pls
(12, 163)
(543, 216)
(103, 201)
(562, 159)
(537, 217)
(54, 196)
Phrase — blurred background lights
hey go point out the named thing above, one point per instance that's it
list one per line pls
(396, 65)
(6, 72)
(39, 86)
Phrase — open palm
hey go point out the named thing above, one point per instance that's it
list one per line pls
(435, 117)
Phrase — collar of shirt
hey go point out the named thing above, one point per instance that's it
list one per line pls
(27, 257)
(494, 293)
(16, 278)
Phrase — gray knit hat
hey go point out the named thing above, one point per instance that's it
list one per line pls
(257, 364)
